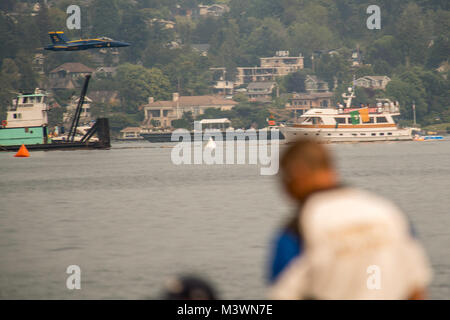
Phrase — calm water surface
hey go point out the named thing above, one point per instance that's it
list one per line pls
(130, 218)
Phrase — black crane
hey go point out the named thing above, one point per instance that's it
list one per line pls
(76, 118)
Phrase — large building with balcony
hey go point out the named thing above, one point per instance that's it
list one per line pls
(270, 68)
(299, 103)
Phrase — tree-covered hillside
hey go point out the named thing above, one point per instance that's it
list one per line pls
(412, 43)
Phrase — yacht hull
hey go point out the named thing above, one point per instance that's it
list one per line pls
(292, 134)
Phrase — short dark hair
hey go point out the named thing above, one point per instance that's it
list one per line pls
(309, 152)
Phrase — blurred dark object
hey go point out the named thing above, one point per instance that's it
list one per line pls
(188, 287)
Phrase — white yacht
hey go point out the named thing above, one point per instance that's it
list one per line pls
(349, 124)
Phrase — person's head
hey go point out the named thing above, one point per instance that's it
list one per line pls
(306, 167)
(188, 287)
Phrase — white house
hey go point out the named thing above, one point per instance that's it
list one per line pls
(373, 82)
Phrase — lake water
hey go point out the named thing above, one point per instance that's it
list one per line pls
(130, 218)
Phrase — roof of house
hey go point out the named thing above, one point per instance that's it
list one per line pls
(186, 101)
(74, 67)
(106, 69)
(374, 78)
(214, 121)
(202, 47)
(75, 99)
(316, 95)
(103, 95)
(260, 85)
(313, 78)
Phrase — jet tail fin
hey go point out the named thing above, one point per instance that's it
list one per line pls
(58, 37)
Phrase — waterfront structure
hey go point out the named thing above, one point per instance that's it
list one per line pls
(162, 113)
(270, 68)
(131, 134)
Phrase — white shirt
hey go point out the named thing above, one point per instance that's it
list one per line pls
(357, 246)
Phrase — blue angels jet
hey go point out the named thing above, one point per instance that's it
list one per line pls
(62, 43)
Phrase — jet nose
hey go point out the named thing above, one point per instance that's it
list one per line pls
(122, 44)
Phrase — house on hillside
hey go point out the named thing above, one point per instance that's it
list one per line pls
(260, 91)
(85, 115)
(373, 82)
(356, 58)
(164, 112)
(314, 84)
(66, 76)
(38, 63)
(201, 48)
(224, 87)
(105, 72)
(302, 102)
(105, 96)
(214, 10)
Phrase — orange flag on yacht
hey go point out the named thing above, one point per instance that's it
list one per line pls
(364, 113)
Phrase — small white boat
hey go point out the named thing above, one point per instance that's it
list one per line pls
(211, 144)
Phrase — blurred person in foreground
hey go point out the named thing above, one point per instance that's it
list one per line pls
(342, 243)
(188, 287)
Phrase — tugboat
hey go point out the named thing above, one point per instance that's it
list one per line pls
(27, 124)
(349, 124)
(26, 121)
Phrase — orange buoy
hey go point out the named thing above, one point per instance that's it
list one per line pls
(23, 152)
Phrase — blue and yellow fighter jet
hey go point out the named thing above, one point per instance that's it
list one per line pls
(61, 43)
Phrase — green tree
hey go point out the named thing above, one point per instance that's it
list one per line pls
(105, 17)
(294, 82)
(138, 83)
(185, 122)
(411, 35)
